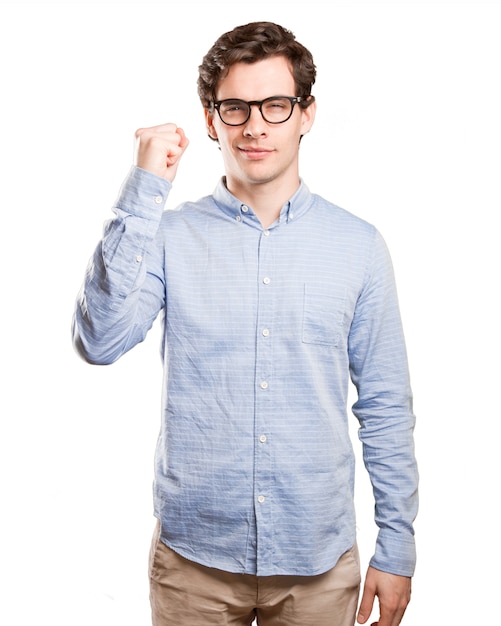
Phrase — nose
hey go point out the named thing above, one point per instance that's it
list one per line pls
(255, 125)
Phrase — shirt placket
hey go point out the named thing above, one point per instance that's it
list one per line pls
(263, 435)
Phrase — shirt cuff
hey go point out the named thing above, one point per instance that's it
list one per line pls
(143, 194)
(395, 553)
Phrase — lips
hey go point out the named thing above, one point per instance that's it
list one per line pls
(255, 152)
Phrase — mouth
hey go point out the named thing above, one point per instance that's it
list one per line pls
(254, 153)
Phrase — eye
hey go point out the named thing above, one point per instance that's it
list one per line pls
(233, 106)
(276, 104)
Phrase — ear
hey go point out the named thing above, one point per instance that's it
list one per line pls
(209, 124)
(308, 117)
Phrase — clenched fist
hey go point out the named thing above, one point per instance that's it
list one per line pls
(159, 149)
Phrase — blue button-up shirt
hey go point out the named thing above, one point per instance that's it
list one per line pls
(262, 330)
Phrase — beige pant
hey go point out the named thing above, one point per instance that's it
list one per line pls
(184, 593)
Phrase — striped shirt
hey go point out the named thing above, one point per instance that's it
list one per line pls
(262, 331)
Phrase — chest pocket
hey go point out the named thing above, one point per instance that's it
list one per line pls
(323, 316)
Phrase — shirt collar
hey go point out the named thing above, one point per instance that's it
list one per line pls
(292, 210)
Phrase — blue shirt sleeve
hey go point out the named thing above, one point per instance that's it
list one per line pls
(379, 370)
(123, 290)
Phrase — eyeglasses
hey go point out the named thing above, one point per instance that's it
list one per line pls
(275, 110)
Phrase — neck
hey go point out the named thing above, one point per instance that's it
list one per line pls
(265, 198)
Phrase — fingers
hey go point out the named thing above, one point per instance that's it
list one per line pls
(159, 149)
(184, 140)
(393, 593)
(367, 603)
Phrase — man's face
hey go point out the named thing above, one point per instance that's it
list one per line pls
(258, 152)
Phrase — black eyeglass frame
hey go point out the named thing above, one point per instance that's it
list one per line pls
(292, 99)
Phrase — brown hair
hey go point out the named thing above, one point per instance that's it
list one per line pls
(250, 43)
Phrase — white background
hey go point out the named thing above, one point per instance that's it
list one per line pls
(407, 136)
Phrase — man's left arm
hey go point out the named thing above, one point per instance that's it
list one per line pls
(393, 592)
(379, 370)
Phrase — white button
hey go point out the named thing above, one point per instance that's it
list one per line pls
(158, 199)
(238, 218)
(291, 216)
(261, 499)
(262, 439)
(245, 208)
(266, 333)
(264, 385)
(139, 258)
(266, 280)
(266, 233)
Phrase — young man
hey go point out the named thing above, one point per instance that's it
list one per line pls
(272, 298)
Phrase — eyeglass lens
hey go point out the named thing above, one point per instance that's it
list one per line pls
(273, 110)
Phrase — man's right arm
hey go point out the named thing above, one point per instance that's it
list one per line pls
(159, 149)
(124, 289)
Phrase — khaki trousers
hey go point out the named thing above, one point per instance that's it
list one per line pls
(184, 593)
